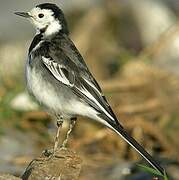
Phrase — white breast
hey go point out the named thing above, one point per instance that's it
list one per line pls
(55, 101)
(42, 91)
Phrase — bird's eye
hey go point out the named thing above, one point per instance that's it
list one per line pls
(41, 15)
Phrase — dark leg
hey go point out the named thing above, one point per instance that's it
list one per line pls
(59, 125)
(72, 124)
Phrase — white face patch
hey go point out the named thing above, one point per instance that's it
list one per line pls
(47, 22)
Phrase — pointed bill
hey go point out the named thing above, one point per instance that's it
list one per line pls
(23, 14)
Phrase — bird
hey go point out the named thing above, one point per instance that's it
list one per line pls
(58, 77)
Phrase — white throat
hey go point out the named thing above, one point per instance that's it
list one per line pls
(53, 28)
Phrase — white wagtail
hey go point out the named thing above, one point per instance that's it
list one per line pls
(59, 79)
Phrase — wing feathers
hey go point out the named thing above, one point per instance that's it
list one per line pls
(82, 85)
(57, 70)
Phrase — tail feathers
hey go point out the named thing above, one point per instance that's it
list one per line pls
(121, 131)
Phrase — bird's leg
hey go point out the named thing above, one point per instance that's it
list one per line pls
(72, 124)
(59, 125)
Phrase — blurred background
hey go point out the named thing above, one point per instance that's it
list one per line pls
(132, 48)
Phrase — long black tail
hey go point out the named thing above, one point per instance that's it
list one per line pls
(121, 131)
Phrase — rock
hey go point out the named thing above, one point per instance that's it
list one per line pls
(23, 102)
(8, 177)
(64, 165)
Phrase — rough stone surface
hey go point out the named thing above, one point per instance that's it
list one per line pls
(64, 165)
(8, 177)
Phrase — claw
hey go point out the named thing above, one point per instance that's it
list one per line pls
(47, 152)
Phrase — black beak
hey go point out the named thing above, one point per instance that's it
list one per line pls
(23, 14)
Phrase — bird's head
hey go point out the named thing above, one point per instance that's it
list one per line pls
(47, 18)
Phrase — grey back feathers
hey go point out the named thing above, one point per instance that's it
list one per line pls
(60, 56)
(68, 65)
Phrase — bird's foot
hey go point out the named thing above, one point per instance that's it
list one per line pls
(47, 153)
(63, 146)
